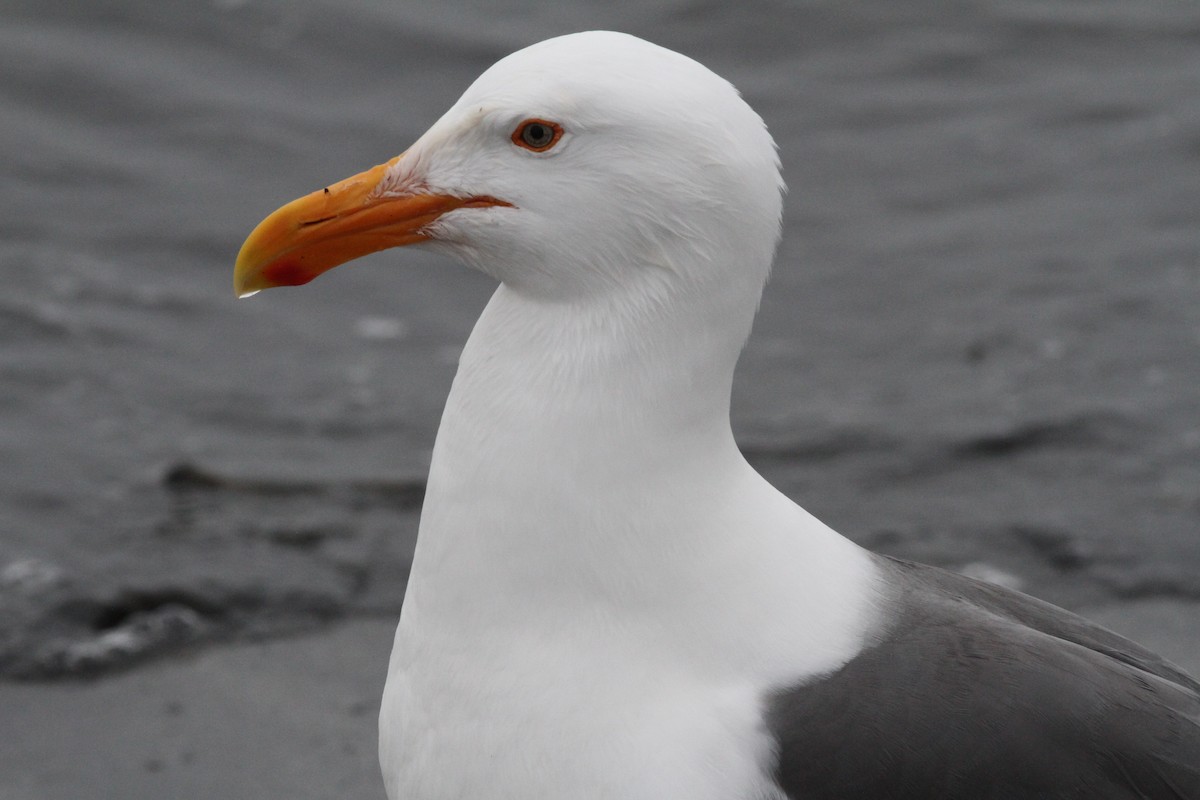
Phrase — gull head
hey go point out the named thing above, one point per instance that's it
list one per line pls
(586, 166)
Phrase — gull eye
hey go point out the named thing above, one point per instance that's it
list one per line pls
(537, 135)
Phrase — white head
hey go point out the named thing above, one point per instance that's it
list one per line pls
(662, 173)
(657, 181)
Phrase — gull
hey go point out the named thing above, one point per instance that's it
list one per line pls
(606, 600)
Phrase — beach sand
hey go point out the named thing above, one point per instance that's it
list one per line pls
(290, 718)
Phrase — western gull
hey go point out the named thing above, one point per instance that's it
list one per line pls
(606, 600)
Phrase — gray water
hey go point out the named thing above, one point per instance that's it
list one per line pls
(980, 348)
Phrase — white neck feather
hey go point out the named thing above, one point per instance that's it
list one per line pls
(586, 463)
(557, 410)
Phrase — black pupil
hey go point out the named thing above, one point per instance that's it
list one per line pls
(537, 135)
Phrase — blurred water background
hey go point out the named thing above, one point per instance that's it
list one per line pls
(980, 347)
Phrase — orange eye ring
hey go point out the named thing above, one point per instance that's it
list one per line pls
(537, 135)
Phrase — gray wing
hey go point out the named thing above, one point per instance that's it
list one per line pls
(977, 692)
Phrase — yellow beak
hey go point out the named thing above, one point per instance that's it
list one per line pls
(336, 224)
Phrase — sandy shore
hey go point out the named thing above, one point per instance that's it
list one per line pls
(290, 718)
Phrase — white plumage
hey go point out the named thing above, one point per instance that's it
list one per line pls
(594, 604)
